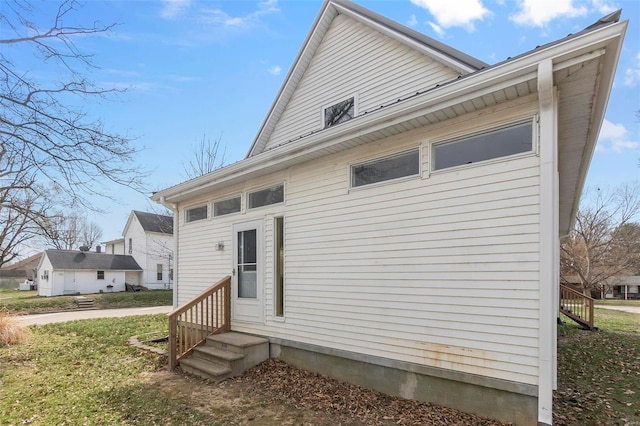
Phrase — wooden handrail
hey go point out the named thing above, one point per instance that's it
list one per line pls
(189, 325)
(576, 306)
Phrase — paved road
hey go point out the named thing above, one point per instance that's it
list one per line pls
(632, 309)
(100, 313)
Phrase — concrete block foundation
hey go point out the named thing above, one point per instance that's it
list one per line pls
(494, 398)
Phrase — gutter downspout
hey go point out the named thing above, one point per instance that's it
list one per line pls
(174, 208)
(549, 241)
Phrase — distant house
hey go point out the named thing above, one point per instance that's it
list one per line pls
(77, 272)
(11, 275)
(148, 237)
(397, 220)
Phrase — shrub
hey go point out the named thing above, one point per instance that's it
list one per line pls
(11, 331)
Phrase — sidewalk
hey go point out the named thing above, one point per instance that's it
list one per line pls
(632, 309)
(100, 313)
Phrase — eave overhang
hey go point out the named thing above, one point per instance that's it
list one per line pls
(516, 76)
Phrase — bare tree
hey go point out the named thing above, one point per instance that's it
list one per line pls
(206, 157)
(91, 233)
(68, 231)
(605, 242)
(46, 121)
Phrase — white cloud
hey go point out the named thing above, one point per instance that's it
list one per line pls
(275, 70)
(174, 8)
(437, 29)
(603, 7)
(614, 138)
(632, 74)
(219, 17)
(459, 13)
(413, 21)
(537, 13)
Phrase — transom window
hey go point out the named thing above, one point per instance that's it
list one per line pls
(498, 143)
(388, 168)
(340, 112)
(196, 213)
(232, 205)
(267, 196)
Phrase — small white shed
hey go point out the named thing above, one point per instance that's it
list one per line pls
(76, 272)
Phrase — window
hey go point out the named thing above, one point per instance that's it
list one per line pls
(232, 205)
(498, 143)
(264, 197)
(196, 213)
(279, 265)
(159, 271)
(388, 168)
(101, 275)
(130, 246)
(339, 113)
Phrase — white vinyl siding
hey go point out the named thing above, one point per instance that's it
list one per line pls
(352, 59)
(441, 271)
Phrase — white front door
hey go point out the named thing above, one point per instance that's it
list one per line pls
(69, 282)
(247, 283)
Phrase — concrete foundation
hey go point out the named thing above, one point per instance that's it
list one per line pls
(494, 398)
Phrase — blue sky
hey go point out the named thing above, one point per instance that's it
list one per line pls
(212, 68)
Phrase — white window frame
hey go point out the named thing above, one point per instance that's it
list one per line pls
(533, 119)
(350, 167)
(324, 107)
(186, 209)
(213, 205)
(275, 268)
(262, 188)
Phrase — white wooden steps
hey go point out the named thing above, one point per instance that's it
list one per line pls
(226, 355)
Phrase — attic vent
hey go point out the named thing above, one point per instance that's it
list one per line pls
(340, 112)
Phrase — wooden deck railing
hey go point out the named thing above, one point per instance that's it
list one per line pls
(207, 314)
(576, 306)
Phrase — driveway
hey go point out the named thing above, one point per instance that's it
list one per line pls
(100, 313)
(632, 309)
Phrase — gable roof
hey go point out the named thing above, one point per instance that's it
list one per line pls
(582, 69)
(152, 222)
(446, 55)
(80, 260)
(24, 263)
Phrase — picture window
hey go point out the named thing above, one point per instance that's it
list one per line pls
(384, 169)
(196, 213)
(265, 197)
(515, 139)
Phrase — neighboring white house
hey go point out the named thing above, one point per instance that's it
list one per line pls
(78, 272)
(397, 220)
(148, 237)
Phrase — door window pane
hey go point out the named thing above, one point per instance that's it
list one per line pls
(247, 266)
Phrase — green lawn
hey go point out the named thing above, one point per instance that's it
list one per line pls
(617, 302)
(599, 371)
(82, 372)
(28, 302)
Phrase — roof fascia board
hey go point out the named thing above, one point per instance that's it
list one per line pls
(392, 32)
(604, 90)
(298, 66)
(479, 83)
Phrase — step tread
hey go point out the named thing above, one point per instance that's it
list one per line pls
(219, 353)
(238, 339)
(206, 366)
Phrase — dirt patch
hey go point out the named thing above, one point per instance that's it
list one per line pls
(274, 393)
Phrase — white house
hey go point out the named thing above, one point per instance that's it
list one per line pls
(148, 237)
(396, 222)
(78, 272)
